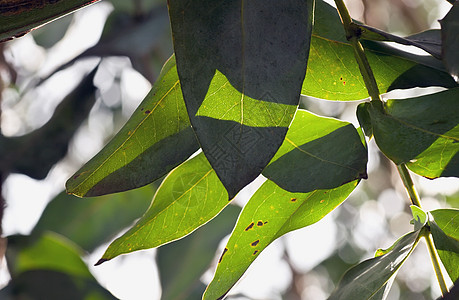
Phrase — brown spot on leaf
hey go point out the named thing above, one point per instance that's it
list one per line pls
(322, 201)
(249, 227)
(255, 252)
(224, 251)
(255, 243)
(147, 112)
(260, 223)
(76, 176)
(293, 199)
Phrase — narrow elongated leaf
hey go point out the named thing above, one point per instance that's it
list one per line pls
(318, 153)
(19, 17)
(156, 139)
(449, 35)
(49, 266)
(365, 280)
(182, 263)
(429, 41)
(189, 196)
(422, 132)
(445, 232)
(90, 222)
(241, 85)
(333, 73)
(270, 213)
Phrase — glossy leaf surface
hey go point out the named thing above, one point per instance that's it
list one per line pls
(156, 139)
(189, 197)
(366, 279)
(241, 86)
(445, 232)
(449, 32)
(422, 132)
(318, 153)
(333, 73)
(90, 222)
(270, 213)
(19, 17)
(182, 263)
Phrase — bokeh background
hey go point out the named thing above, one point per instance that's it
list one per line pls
(129, 41)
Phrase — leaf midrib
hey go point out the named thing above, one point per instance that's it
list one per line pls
(128, 138)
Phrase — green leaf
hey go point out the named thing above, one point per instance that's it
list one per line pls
(189, 197)
(241, 86)
(47, 252)
(90, 222)
(333, 73)
(157, 138)
(49, 267)
(449, 33)
(365, 280)
(318, 153)
(422, 132)
(419, 217)
(182, 263)
(18, 17)
(270, 213)
(445, 232)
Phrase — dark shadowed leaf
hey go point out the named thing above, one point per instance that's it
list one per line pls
(182, 263)
(49, 267)
(318, 153)
(429, 41)
(422, 132)
(445, 232)
(270, 213)
(333, 73)
(365, 280)
(19, 17)
(31, 154)
(449, 36)
(156, 139)
(90, 222)
(189, 197)
(241, 86)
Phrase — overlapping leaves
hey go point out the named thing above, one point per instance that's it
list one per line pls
(241, 86)
(146, 147)
(421, 132)
(273, 211)
(333, 73)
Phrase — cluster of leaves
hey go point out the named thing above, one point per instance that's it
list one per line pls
(232, 90)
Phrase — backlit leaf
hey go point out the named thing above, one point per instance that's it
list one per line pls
(189, 197)
(19, 17)
(270, 213)
(318, 153)
(445, 232)
(333, 73)
(365, 280)
(156, 139)
(241, 86)
(422, 132)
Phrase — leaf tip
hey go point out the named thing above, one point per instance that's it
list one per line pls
(100, 261)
